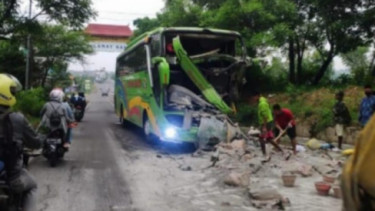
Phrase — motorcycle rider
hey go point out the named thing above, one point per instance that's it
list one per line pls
(52, 108)
(79, 100)
(70, 119)
(16, 133)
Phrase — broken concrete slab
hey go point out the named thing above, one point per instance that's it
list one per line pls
(268, 198)
(239, 145)
(237, 179)
(264, 194)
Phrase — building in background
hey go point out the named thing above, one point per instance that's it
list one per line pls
(108, 38)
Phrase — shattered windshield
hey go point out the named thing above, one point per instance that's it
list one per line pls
(198, 44)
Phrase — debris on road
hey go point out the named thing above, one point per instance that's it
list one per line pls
(185, 168)
(240, 164)
(237, 179)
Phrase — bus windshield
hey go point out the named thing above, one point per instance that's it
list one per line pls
(197, 44)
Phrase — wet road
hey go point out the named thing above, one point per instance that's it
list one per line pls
(91, 176)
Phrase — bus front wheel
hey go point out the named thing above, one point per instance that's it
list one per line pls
(122, 120)
(147, 131)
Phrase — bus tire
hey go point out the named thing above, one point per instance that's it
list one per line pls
(122, 120)
(151, 138)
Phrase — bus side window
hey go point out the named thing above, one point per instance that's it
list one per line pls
(137, 60)
(122, 68)
(155, 45)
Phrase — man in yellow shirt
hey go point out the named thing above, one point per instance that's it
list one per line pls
(265, 119)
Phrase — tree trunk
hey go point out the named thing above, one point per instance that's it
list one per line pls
(300, 52)
(323, 68)
(44, 78)
(292, 75)
(45, 75)
(371, 69)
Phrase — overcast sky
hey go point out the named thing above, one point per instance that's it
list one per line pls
(121, 12)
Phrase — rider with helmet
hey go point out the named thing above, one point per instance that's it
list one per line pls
(54, 115)
(16, 133)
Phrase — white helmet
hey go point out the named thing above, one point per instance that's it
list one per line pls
(56, 95)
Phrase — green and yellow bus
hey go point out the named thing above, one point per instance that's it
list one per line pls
(169, 80)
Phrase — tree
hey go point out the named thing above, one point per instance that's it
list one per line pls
(54, 47)
(73, 13)
(145, 24)
(180, 13)
(340, 28)
(57, 46)
(359, 64)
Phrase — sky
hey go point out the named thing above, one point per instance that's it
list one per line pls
(119, 12)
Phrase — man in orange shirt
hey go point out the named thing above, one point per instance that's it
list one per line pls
(284, 120)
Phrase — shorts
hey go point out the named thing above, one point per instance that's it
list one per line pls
(339, 130)
(291, 132)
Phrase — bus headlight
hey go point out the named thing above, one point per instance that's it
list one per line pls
(170, 132)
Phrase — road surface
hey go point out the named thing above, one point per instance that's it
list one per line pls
(111, 167)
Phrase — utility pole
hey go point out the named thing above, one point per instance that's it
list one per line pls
(27, 73)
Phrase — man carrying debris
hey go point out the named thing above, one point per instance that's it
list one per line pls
(266, 123)
(285, 123)
(367, 106)
(341, 117)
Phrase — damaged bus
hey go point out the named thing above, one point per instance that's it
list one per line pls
(180, 84)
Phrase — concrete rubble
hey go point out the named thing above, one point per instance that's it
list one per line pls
(239, 165)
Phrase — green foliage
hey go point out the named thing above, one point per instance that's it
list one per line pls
(73, 13)
(295, 26)
(54, 46)
(359, 65)
(31, 102)
(270, 78)
(144, 25)
(246, 114)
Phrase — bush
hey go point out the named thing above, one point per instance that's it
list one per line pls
(30, 102)
(246, 114)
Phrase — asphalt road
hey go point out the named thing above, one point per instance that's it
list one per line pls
(91, 177)
(112, 168)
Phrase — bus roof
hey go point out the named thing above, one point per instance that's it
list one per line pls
(141, 38)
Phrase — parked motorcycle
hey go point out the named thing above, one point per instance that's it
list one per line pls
(78, 113)
(53, 148)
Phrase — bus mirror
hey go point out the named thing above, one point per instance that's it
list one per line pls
(163, 69)
(164, 73)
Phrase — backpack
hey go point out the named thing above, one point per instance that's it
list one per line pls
(10, 152)
(55, 117)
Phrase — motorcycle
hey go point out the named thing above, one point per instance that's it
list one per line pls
(53, 148)
(78, 113)
(10, 201)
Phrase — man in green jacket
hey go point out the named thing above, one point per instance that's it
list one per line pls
(266, 123)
